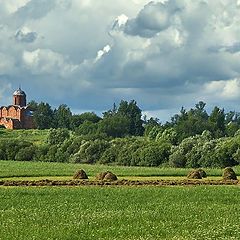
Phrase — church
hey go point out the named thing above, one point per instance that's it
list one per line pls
(18, 115)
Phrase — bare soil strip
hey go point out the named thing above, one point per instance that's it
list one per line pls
(118, 183)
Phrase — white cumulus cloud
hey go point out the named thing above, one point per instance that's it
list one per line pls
(102, 52)
(164, 54)
(226, 89)
(42, 61)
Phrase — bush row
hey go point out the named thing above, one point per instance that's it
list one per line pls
(63, 146)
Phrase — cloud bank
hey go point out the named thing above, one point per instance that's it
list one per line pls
(89, 54)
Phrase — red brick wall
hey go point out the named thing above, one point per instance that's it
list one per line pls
(21, 119)
(8, 123)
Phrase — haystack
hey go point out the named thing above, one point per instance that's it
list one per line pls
(101, 176)
(108, 176)
(80, 174)
(229, 174)
(194, 174)
(202, 172)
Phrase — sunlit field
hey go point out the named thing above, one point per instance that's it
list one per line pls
(42, 170)
(10, 169)
(120, 213)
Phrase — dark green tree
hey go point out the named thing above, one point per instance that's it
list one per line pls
(134, 113)
(192, 122)
(217, 122)
(43, 116)
(87, 128)
(62, 116)
(89, 116)
(115, 126)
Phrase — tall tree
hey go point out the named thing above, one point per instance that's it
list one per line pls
(217, 122)
(43, 116)
(115, 126)
(192, 122)
(134, 113)
(62, 116)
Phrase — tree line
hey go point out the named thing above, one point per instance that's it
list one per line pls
(124, 120)
(123, 136)
(127, 119)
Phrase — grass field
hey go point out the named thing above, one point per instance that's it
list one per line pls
(9, 169)
(120, 213)
(35, 136)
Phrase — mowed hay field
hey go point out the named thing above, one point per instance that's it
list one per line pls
(120, 213)
(115, 212)
(42, 170)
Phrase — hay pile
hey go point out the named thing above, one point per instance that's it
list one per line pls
(108, 176)
(194, 174)
(202, 172)
(229, 174)
(80, 174)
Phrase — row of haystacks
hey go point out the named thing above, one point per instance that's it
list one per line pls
(228, 174)
(103, 176)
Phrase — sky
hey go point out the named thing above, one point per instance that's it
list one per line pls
(89, 54)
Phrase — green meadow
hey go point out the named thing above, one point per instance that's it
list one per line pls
(18, 169)
(119, 213)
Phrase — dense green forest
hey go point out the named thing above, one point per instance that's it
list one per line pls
(123, 136)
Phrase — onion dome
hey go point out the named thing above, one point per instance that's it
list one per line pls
(19, 92)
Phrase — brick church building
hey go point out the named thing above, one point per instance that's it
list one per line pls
(18, 115)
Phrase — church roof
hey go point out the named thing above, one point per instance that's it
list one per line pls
(15, 106)
(19, 92)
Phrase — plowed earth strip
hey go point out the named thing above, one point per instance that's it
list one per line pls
(119, 183)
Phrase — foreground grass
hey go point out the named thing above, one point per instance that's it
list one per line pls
(120, 213)
(9, 169)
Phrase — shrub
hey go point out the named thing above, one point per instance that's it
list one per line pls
(26, 154)
(177, 159)
(154, 154)
(57, 136)
(109, 156)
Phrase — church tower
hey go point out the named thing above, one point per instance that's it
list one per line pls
(19, 98)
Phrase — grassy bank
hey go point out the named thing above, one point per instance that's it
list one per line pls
(120, 213)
